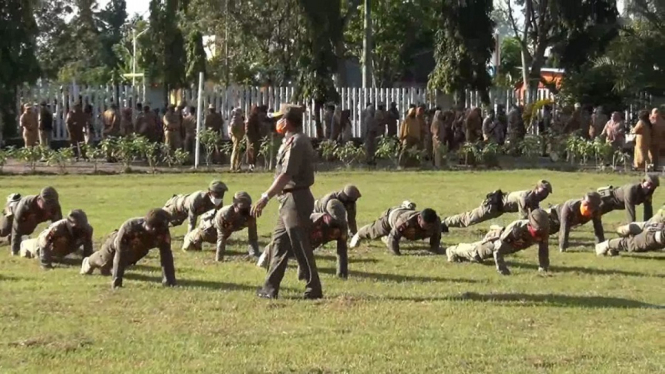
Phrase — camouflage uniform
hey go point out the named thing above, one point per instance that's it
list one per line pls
(628, 196)
(634, 228)
(565, 216)
(398, 222)
(8, 215)
(126, 246)
(326, 227)
(29, 213)
(60, 239)
(501, 241)
(497, 203)
(191, 206)
(348, 196)
(217, 227)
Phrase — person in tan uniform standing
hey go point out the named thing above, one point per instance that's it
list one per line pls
(214, 120)
(111, 121)
(191, 206)
(29, 122)
(172, 128)
(501, 241)
(295, 175)
(409, 134)
(76, 121)
(497, 203)
(45, 125)
(126, 122)
(126, 246)
(237, 135)
(189, 125)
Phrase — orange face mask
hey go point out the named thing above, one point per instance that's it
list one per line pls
(585, 211)
(281, 126)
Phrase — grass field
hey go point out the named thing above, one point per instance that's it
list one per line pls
(411, 314)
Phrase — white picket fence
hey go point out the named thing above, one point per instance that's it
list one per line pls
(61, 98)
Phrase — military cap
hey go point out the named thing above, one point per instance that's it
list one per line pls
(49, 194)
(158, 218)
(242, 199)
(352, 192)
(217, 187)
(545, 185)
(77, 217)
(336, 210)
(594, 199)
(290, 112)
(653, 179)
(539, 220)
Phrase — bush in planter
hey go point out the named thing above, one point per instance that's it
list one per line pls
(530, 148)
(349, 153)
(602, 152)
(31, 155)
(94, 154)
(110, 147)
(416, 154)
(5, 155)
(327, 150)
(490, 154)
(60, 158)
(388, 148)
(210, 140)
(468, 154)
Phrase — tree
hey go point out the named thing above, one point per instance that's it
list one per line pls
(112, 19)
(196, 57)
(18, 61)
(563, 24)
(463, 48)
(509, 66)
(55, 36)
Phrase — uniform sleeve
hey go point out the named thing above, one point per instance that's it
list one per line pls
(648, 207)
(564, 230)
(122, 247)
(543, 254)
(293, 158)
(87, 244)
(166, 259)
(523, 206)
(598, 228)
(192, 203)
(56, 214)
(22, 209)
(220, 249)
(47, 246)
(629, 203)
(22, 120)
(435, 239)
(395, 235)
(351, 218)
(252, 234)
(342, 256)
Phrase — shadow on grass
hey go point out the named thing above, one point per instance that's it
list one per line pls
(197, 283)
(578, 269)
(398, 278)
(645, 257)
(351, 259)
(520, 299)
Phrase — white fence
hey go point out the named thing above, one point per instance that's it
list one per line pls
(61, 98)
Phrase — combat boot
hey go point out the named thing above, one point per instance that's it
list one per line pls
(452, 256)
(263, 261)
(602, 248)
(354, 241)
(86, 269)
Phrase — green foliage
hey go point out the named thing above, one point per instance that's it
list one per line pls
(180, 157)
(266, 150)
(4, 156)
(462, 65)
(602, 151)
(31, 155)
(210, 139)
(531, 111)
(388, 148)
(196, 57)
(490, 154)
(530, 147)
(468, 153)
(510, 64)
(327, 150)
(349, 153)
(60, 158)
(94, 154)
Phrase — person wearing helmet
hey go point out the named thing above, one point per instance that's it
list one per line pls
(496, 203)
(398, 222)
(60, 239)
(191, 206)
(218, 226)
(501, 241)
(330, 226)
(630, 195)
(129, 244)
(348, 196)
(574, 213)
(29, 213)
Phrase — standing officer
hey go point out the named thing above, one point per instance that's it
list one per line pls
(500, 241)
(30, 212)
(497, 203)
(29, 122)
(401, 221)
(630, 195)
(348, 196)
(126, 246)
(60, 239)
(214, 120)
(172, 128)
(191, 206)
(217, 227)
(189, 125)
(111, 121)
(574, 213)
(295, 175)
(76, 121)
(45, 125)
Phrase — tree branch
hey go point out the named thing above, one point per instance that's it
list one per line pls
(516, 30)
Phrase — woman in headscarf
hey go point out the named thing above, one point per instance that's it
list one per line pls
(642, 132)
(409, 134)
(614, 132)
(657, 137)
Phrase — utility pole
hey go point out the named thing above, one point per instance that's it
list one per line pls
(367, 46)
(226, 40)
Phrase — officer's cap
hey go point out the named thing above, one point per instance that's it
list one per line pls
(352, 192)
(594, 199)
(77, 217)
(242, 200)
(217, 187)
(290, 112)
(49, 194)
(157, 218)
(539, 220)
(653, 179)
(545, 185)
(336, 210)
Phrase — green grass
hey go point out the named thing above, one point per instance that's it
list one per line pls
(411, 314)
